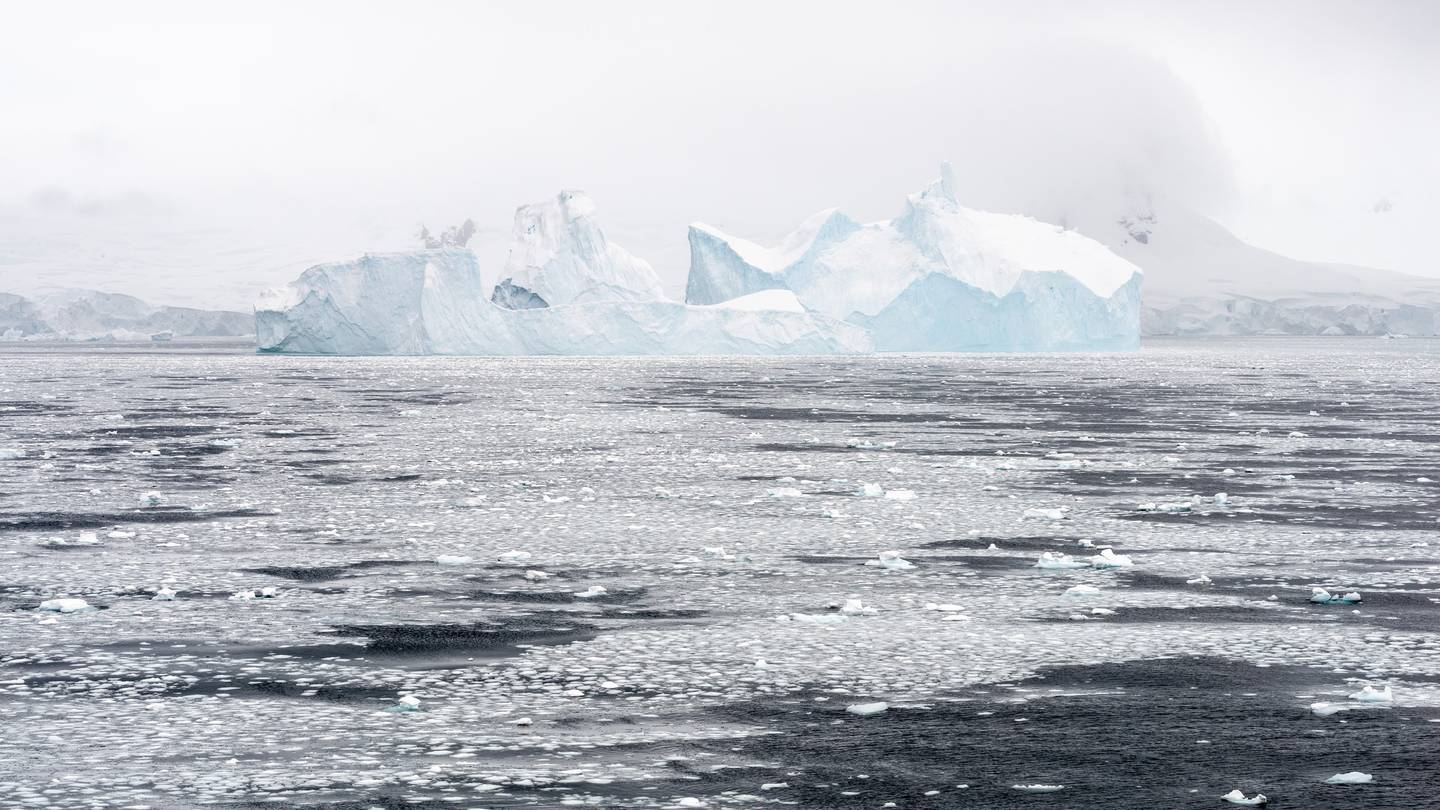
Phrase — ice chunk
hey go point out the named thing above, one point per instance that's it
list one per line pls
(1109, 559)
(151, 498)
(1038, 788)
(64, 605)
(1350, 778)
(784, 492)
(453, 559)
(1320, 596)
(891, 561)
(407, 703)
(1200, 580)
(1236, 797)
(592, 592)
(515, 556)
(11, 453)
(1082, 590)
(1178, 507)
(854, 607)
(1370, 694)
(165, 594)
(1045, 514)
(867, 709)
(1056, 561)
(242, 596)
(536, 576)
(870, 491)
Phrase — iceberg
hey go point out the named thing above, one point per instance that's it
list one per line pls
(433, 301)
(940, 277)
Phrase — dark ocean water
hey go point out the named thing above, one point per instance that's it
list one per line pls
(618, 583)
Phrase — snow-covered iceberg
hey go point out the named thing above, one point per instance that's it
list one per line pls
(569, 292)
(940, 277)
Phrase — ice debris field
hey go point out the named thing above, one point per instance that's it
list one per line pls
(1179, 578)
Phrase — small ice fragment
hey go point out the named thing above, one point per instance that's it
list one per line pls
(1350, 778)
(165, 594)
(151, 498)
(408, 703)
(453, 559)
(515, 556)
(1082, 590)
(689, 801)
(774, 785)
(1055, 561)
(242, 596)
(901, 495)
(592, 592)
(268, 592)
(784, 492)
(854, 607)
(64, 605)
(1045, 514)
(1109, 559)
(1327, 709)
(867, 709)
(522, 721)
(1178, 507)
(1372, 695)
(891, 561)
(1236, 797)
(1200, 580)
(536, 575)
(1221, 499)
(1320, 596)
(11, 453)
(1038, 788)
(944, 607)
(870, 491)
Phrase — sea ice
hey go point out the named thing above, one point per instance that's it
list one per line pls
(1370, 694)
(867, 709)
(1056, 561)
(1350, 778)
(64, 605)
(1236, 797)
(891, 561)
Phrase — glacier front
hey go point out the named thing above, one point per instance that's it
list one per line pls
(940, 277)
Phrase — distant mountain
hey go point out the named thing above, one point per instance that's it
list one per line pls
(1200, 279)
(94, 315)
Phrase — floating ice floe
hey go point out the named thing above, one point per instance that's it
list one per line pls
(1056, 561)
(717, 552)
(1221, 499)
(242, 596)
(592, 592)
(1236, 797)
(1109, 559)
(165, 594)
(64, 605)
(268, 592)
(814, 618)
(522, 721)
(784, 492)
(407, 703)
(1372, 695)
(151, 498)
(866, 444)
(1200, 580)
(1178, 507)
(1320, 596)
(515, 556)
(774, 785)
(1038, 788)
(870, 491)
(1045, 514)
(900, 494)
(11, 453)
(453, 559)
(944, 607)
(1350, 778)
(689, 801)
(867, 709)
(1082, 590)
(854, 607)
(536, 575)
(1326, 709)
(891, 561)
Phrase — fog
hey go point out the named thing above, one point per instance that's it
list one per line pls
(196, 155)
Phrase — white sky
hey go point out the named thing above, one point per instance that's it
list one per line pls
(193, 153)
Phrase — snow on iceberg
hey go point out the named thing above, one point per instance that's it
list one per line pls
(559, 255)
(940, 277)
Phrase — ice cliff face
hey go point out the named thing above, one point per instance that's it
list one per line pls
(559, 256)
(94, 315)
(940, 277)
(434, 302)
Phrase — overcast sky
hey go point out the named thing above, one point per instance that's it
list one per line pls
(195, 153)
